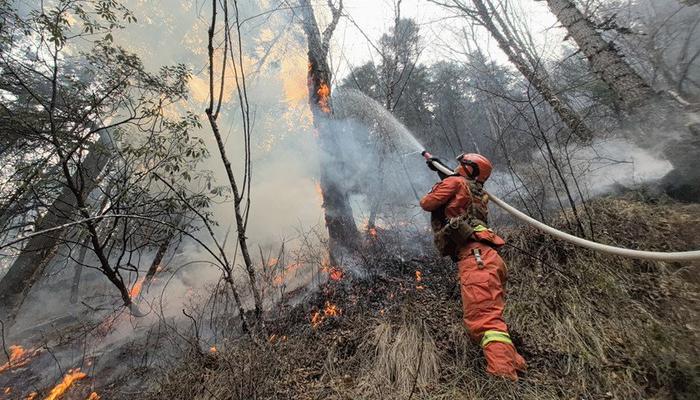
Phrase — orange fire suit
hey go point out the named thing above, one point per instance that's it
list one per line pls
(482, 274)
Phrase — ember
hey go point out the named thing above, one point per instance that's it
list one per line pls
(71, 377)
(330, 310)
(93, 396)
(336, 274)
(213, 349)
(373, 232)
(419, 279)
(32, 396)
(324, 93)
(316, 319)
(136, 289)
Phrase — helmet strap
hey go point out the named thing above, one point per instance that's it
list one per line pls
(473, 165)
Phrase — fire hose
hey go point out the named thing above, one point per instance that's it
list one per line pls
(603, 248)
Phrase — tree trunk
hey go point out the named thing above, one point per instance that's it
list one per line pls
(629, 88)
(338, 213)
(160, 253)
(29, 265)
(570, 117)
(78, 270)
(658, 121)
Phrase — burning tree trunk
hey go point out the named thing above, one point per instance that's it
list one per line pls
(629, 88)
(338, 213)
(30, 264)
(571, 118)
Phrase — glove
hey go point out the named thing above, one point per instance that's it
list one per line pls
(430, 164)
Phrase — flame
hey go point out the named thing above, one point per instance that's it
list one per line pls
(32, 396)
(289, 269)
(373, 232)
(136, 289)
(19, 357)
(330, 310)
(324, 95)
(213, 349)
(272, 262)
(93, 396)
(8, 390)
(319, 191)
(71, 377)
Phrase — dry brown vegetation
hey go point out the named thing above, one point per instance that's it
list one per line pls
(591, 326)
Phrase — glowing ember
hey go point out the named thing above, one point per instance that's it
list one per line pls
(324, 93)
(71, 377)
(18, 358)
(272, 262)
(213, 349)
(8, 390)
(419, 279)
(32, 396)
(316, 319)
(336, 274)
(373, 232)
(330, 310)
(136, 289)
(93, 396)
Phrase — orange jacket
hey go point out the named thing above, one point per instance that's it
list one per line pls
(452, 192)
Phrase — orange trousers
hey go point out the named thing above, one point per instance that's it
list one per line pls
(482, 277)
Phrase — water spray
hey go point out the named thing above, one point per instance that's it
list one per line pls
(603, 248)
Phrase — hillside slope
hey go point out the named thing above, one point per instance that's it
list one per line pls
(591, 326)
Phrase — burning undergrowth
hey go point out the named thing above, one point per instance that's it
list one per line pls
(591, 326)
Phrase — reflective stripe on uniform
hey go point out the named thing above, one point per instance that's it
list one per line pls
(495, 336)
(480, 228)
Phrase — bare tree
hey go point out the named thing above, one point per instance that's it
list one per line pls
(484, 14)
(241, 195)
(629, 88)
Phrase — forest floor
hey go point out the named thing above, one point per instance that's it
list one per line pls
(591, 326)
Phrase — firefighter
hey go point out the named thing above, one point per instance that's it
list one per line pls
(459, 216)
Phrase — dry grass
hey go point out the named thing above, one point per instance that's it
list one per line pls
(591, 326)
(403, 359)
